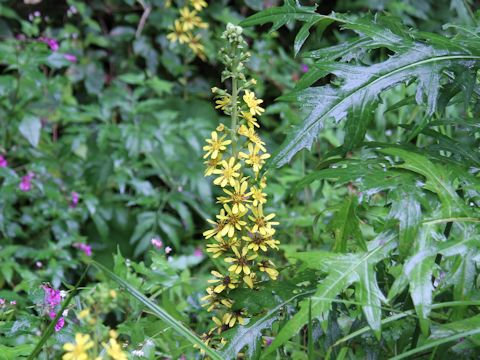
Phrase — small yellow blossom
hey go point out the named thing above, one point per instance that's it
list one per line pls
(222, 246)
(253, 103)
(215, 145)
(191, 19)
(258, 241)
(268, 267)
(198, 4)
(213, 300)
(230, 318)
(232, 222)
(254, 158)
(238, 197)
(252, 136)
(217, 226)
(114, 350)
(240, 261)
(196, 46)
(179, 33)
(212, 164)
(83, 314)
(262, 223)
(223, 102)
(225, 282)
(251, 121)
(258, 196)
(113, 294)
(228, 173)
(78, 350)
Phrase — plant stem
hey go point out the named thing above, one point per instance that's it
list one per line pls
(234, 116)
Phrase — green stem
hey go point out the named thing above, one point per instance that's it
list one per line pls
(234, 116)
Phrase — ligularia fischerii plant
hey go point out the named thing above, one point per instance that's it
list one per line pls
(242, 233)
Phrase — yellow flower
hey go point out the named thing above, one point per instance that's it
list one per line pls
(179, 33)
(251, 121)
(223, 102)
(83, 314)
(252, 136)
(226, 282)
(258, 241)
(113, 294)
(190, 19)
(228, 173)
(114, 350)
(240, 261)
(220, 127)
(213, 300)
(198, 4)
(220, 325)
(268, 267)
(222, 246)
(238, 196)
(212, 165)
(216, 145)
(230, 318)
(262, 223)
(254, 158)
(253, 103)
(218, 226)
(258, 196)
(232, 222)
(78, 350)
(195, 45)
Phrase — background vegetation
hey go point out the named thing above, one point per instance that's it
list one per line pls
(372, 118)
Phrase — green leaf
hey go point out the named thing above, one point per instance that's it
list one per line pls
(342, 270)
(160, 313)
(30, 128)
(345, 226)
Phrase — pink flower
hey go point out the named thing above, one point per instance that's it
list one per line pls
(168, 250)
(70, 57)
(13, 302)
(198, 252)
(52, 297)
(87, 249)
(2, 302)
(52, 43)
(304, 68)
(60, 323)
(39, 264)
(26, 183)
(157, 243)
(75, 198)
(3, 162)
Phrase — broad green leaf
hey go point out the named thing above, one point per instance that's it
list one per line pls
(345, 226)
(30, 128)
(342, 270)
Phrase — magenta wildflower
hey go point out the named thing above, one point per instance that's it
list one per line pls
(157, 243)
(38, 264)
(198, 252)
(60, 323)
(87, 249)
(13, 302)
(52, 43)
(304, 68)
(2, 302)
(75, 198)
(268, 341)
(52, 297)
(168, 250)
(3, 162)
(70, 57)
(26, 183)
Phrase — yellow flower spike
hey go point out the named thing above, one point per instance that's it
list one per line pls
(226, 282)
(228, 173)
(198, 4)
(259, 197)
(78, 350)
(254, 158)
(251, 121)
(238, 197)
(215, 145)
(262, 223)
(179, 33)
(253, 103)
(233, 221)
(241, 261)
(223, 102)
